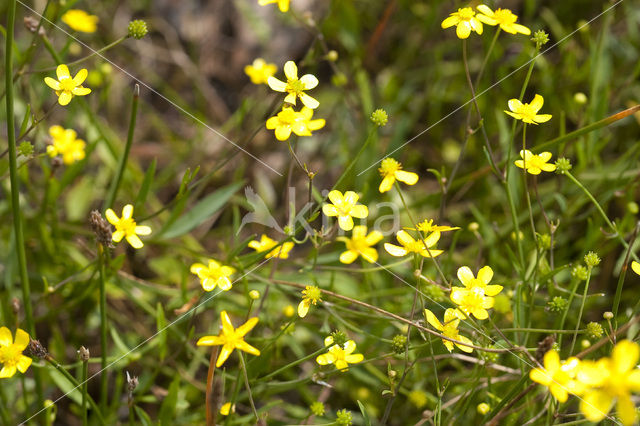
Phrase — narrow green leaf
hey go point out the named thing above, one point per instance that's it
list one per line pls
(367, 420)
(168, 408)
(202, 211)
(146, 184)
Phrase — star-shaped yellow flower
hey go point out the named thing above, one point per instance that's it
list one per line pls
(391, 170)
(295, 86)
(465, 20)
(230, 338)
(260, 71)
(311, 295)
(66, 87)
(345, 207)
(64, 143)
(340, 356)
(11, 356)
(126, 227)
(213, 275)
(409, 245)
(477, 295)
(528, 113)
(283, 5)
(79, 20)
(298, 122)
(611, 379)
(558, 377)
(535, 163)
(266, 243)
(360, 244)
(502, 17)
(449, 329)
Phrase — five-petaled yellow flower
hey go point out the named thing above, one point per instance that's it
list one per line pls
(635, 266)
(213, 275)
(260, 71)
(340, 356)
(465, 20)
(345, 207)
(79, 20)
(535, 163)
(65, 86)
(391, 170)
(11, 356)
(360, 244)
(449, 329)
(266, 243)
(409, 245)
(427, 226)
(611, 379)
(311, 295)
(298, 122)
(558, 377)
(64, 143)
(295, 86)
(230, 338)
(502, 17)
(283, 5)
(528, 113)
(477, 294)
(126, 227)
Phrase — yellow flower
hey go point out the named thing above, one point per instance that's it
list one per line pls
(227, 408)
(635, 266)
(64, 143)
(449, 329)
(340, 356)
(295, 86)
(528, 113)
(360, 245)
(345, 207)
(288, 121)
(535, 163)
(66, 87)
(310, 296)
(502, 17)
(391, 170)
(288, 311)
(465, 20)
(611, 379)
(79, 20)
(11, 356)
(213, 275)
(126, 227)
(477, 295)
(409, 245)
(427, 226)
(266, 243)
(558, 377)
(260, 71)
(230, 338)
(282, 4)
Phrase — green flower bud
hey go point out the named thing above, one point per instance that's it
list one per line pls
(344, 418)
(579, 272)
(399, 343)
(540, 38)
(317, 408)
(563, 165)
(607, 315)
(339, 338)
(591, 259)
(137, 29)
(544, 241)
(25, 149)
(379, 117)
(594, 330)
(557, 304)
(434, 293)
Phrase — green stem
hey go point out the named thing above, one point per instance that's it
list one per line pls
(584, 299)
(102, 259)
(526, 183)
(76, 385)
(593, 200)
(85, 374)
(115, 184)
(293, 364)
(246, 383)
(623, 273)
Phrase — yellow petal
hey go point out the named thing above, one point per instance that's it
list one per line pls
(354, 359)
(463, 30)
(360, 211)
(464, 348)
(308, 101)
(65, 98)
(348, 256)
(22, 340)
(283, 132)
(483, 8)
(350, 198)
(635, 266)
(625, 356)
(542, 118)
(224, 283)
(492, 290)
(277, 85)
(225, 351)
(291, 70)
(595, 405)
(127, 211)
(135, 242)
(7, 371)
(404, 238)
(345, 223)
(394, 250)
(209, 341)
(54, 84)
(558, 391)
(117, 236)
(62, 71)
(370, 255)
(387, 183)
(325, 359)
(465, 275)
(6, 339)
(450, 22)
(23, 363)
(143, 230)
(626, 410)
(433, 320)
(409, 178)
(537, 102)
(485, 274)
(349, 346)
(329, 210)
(245, 347)
(303, 309)
(309, 81)
(227, 327)
(514, 105)
(80, 77)
(247, 326)
(374, 237)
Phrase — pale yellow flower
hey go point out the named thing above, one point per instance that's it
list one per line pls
(340, 356)
(410, 245)
(391, 170)
(502, 17)
(311, 295)
(557, 376)
(298, 122)
(260, 71)
(266, 243)
(295, 87)
(535, 163)
(360, 244)
(126, 227)
(449, 328)
(11, 356)
(79, 20)
(213, 275)
(230, 338)
(64, 143)
(345, 207)
(528, 113)
(66, 87)
(465, 20)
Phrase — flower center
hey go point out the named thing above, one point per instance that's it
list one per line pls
(527, 111)
(474, 297)
(357, 244)
(67, 84)
(534, 162)
(128, 226)
(9, 355)
(466, 13)
(287, 116)
(295, 86)
(504, 16)
(389, 166)
(425, 226)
